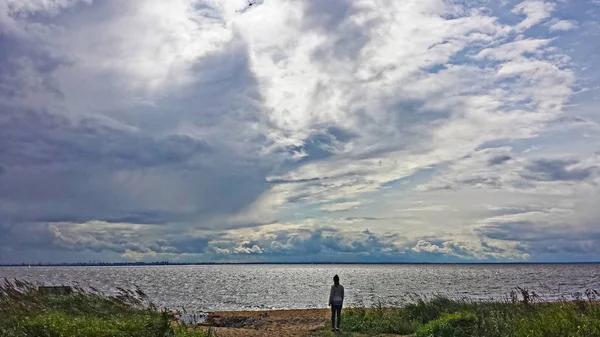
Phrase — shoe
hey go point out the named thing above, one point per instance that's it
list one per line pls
(332, 330)
(337, 329)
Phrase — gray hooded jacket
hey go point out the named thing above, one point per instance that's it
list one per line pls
(336, 296)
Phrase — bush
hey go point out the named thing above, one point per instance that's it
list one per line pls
(24, 311)
(458, 324)
(567, 319)
(444, 317)
(425, 311)
(378, 320)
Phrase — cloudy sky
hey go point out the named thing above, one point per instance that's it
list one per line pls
(299, 130)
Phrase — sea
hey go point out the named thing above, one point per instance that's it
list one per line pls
(205, 288)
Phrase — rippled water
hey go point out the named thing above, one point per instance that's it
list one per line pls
(239, 287)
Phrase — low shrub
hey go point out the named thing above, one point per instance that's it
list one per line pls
(428, 310)
(458, 324)
(378, 320)
(524, 315)
(24, 312)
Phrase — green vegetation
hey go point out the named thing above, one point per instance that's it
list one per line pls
(26, 311)
(521, 316)
(378, 320)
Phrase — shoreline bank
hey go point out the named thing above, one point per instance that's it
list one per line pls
(284, 323)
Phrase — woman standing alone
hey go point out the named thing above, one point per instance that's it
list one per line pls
(336, 300)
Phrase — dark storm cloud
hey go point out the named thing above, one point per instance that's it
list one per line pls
(27, 66)
(145, 218)
(100, 238)
(489, 248)
(27, 236)
(189, 245)
(561, 240)
(40, 137)
(67, 166)
(35, 242)
(556, 170)
(508, 231)
(527, 231)
(345, 37)
(293, 181)
(499, 160)
(146, 195)
(371, 218)
(223, 82)
(105, 238)
(525, 174)
(321, 145)
(520, 209)
(163, 123)
(328, 15)
(340, 134)
(226, 225)
(79, 170)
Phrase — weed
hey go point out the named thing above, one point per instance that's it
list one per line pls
(26, 311)
(522, 315)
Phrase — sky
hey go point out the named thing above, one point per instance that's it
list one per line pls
(299, 131)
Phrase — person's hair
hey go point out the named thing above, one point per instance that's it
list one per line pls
(336, 279)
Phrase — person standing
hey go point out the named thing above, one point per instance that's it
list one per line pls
(336, 300)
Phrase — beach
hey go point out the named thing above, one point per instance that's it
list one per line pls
(267, 323)
(283, 323)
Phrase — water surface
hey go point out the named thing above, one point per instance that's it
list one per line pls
(254, 287)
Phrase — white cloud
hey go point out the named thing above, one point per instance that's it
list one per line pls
(535, 12)
(563, 26)
(513, 50)
(488, 249)
(341, 206)
(162, 44)
(212, 115)
(45, 7)
(429, 208)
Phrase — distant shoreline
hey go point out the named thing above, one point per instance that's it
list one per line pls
(134, 264)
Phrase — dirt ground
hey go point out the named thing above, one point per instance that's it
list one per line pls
(272, 323)
(284, 323)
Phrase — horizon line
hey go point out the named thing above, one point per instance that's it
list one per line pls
(166, 263)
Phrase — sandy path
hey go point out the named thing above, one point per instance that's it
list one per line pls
(284, 323)
(272, 323)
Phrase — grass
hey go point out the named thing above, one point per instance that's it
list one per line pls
(523, 315)
(25, 311)
(378, 320)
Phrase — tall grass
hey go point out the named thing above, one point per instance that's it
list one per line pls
(378, 320)
(25, 311)
(523, 314)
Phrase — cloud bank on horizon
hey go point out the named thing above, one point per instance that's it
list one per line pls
(342, 130)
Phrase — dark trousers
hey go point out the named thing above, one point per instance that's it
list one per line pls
(336, 310)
